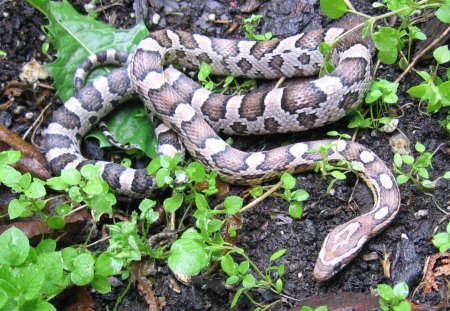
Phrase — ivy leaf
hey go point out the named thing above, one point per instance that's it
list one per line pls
(76, 36)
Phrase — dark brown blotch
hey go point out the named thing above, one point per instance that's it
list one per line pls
(300, 96)
(244, 65)
(252, 106)
(261, 48)
(271, 125)
(310, 40)
(187, 40)
(276, 62)
(351, 70)
(162, 38)
(214, 107)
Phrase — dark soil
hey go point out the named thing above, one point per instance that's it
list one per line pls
(268, 227)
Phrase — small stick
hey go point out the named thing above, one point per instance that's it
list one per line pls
(422, 53)
(261, 198)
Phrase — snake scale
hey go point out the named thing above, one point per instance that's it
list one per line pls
(194, 115)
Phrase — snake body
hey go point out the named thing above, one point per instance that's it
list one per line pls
(195, 115)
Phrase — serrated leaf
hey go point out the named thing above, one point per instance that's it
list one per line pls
(77, 36)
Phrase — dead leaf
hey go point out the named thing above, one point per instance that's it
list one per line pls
(33, 71)
(32, 160)
(438, 265)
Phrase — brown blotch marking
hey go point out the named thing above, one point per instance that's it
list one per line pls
(310, 40)
(252, 106)
(276, 62)
(144, 62)
(90, 98)
(230, 160)
(349, 99)
(245, 65)
(214, 107)
(204, 58)
(306, 120)
(300, 96)
(274, 160)
(351, 70)
(162, 38)
(187, 40)
(304, 59)
(271, 125)
(261, 48)
(118, 81)
(239, 127)
(167, 99)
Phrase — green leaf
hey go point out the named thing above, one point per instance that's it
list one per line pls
(418, 91)
(15, 247)
(408, 159)
(107, 265)
(10, 156)
(248, 281)
(296, 210)
(42, 305)
(443, 13)
(257, 191)
(442, 54)
(236, 297)
(401, 179)
(232, 280)
(101, 284)
(244, 266)
(29, 280)
(130, 125)
(401, 290)
(299, 195)
(233, 204)
(46, 246)
(398, 160)
(3, 298)
(288, 181)
(229, 266)
(83, 269)
(338, 175)
(385, 291)
(200, 202)
(76, 36)
(419, 147)
(17, 208)
(173, 203)
(279, 285)
(386, 39)
(446, 175)
(188, 256)
(36, 190)
(333, 8)
(71, 176)
(278, 254)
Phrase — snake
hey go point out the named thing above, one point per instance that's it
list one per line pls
(191, 117)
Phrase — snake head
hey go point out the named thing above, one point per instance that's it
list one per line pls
(341, 245)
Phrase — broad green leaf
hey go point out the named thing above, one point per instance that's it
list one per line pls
(278, 254)
(443, 13)
(401, 290)
(76, 36)
(229, 266)
(15, 247)
(83, 272)
(333, 8)
(130, 126)
(233, 204)
(188, 256)
(442, 54)
(29, 280)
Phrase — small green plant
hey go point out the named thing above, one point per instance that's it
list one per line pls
(394, 299)
(2, 53)
(416, 170)
(85, 186)
(240, 273)
(295, 198)
(434, 90)
(30, 277)
(338, 170)
(382, 94)
(250, 25)
(228, 85)
(442, 240)
(321, 308)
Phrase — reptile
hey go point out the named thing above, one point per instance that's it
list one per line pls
(194, 116)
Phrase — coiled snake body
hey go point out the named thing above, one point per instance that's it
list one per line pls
(195, 115)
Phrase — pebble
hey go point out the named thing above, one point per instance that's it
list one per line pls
(332, 192)
(390, 127)
(156, 18)
(371, 256)
(421, 214)
(5, 14)
(29, 115)
(5, 118)
(211, 17)
(89, 7)
(42, 37)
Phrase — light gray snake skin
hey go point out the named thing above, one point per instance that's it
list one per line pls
(195, 115)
